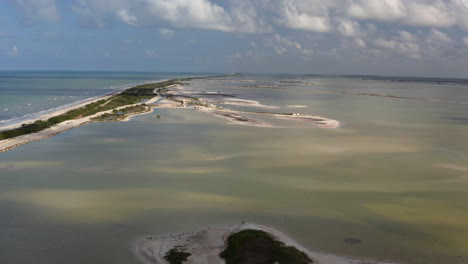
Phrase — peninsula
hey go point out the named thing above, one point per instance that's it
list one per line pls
(121, 105)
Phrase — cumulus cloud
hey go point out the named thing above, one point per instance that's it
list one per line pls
(126, 17)
(166, 33)
(38, 10)
(402, 29)
(359, 42)
(254, 16)
(348, 28)
(430, 13)
(382, 10)
(280, 50)
(151, 54)
(305, 16)
(203, 14)
(437, 36)
(405, 35)
(282, 45)
(407, 49)
(14, 51)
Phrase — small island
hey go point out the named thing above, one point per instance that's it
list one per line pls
(252, 246)
(246, 243)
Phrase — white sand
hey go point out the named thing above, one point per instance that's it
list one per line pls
(296, 106)
(235, 117)
(245, 102)
(206, 245)
(60, 111)
(8, 144)
(322, 122)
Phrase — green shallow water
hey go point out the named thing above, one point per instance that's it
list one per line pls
(394, 176)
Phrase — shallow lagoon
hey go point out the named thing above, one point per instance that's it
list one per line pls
(393, 175)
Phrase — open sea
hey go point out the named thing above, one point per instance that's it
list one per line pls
(26, 95)
(393, 176)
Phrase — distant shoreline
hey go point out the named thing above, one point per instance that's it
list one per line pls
(10, 143)
(142, 99)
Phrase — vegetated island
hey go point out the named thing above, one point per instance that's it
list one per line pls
(141, 99)
(246, 243)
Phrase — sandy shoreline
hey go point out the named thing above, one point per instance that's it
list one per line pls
(72, 106)
(166, 99)
(61, 111)
(206, 245)
(11, 143)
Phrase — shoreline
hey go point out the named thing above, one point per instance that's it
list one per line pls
(72, 106)
(11, 143)
(158, 95)
(8, 144)
(206, 245)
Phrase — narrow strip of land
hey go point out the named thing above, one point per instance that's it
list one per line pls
(120, 106)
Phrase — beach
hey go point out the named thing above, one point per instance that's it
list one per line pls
(205, 246)
(174, 96)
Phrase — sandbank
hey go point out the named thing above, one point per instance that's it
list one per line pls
(205, 246)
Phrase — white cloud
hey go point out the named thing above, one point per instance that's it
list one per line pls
(126, 17)
(345, 17)
(283, 41)
(348, 28)
(405, 35)
(360, 43)
(280, 50)
(38, 10)
(166, 33)
(281, 44)
(438, 36)
(465, 40)
(14, 51)
(382, 10)
(429, 13)
(432, 14)
(241, 16)
(151, 54)
(407, 49)
(189, 13)
(300, 15)
(387, 44)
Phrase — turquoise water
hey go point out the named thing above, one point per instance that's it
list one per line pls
(393, 175)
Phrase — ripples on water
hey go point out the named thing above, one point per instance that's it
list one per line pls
(393, 176)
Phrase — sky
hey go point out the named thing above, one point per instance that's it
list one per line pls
(363, 37)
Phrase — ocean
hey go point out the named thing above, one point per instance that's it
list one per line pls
(393, 176)
(27, 95)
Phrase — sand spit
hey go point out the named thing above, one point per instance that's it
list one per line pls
(234, 117)
(11, 143)
(62, 111)
(206, 245)
(245, 102)
(175, 96)
(235, 101)
(320, 121)
(296, 106)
